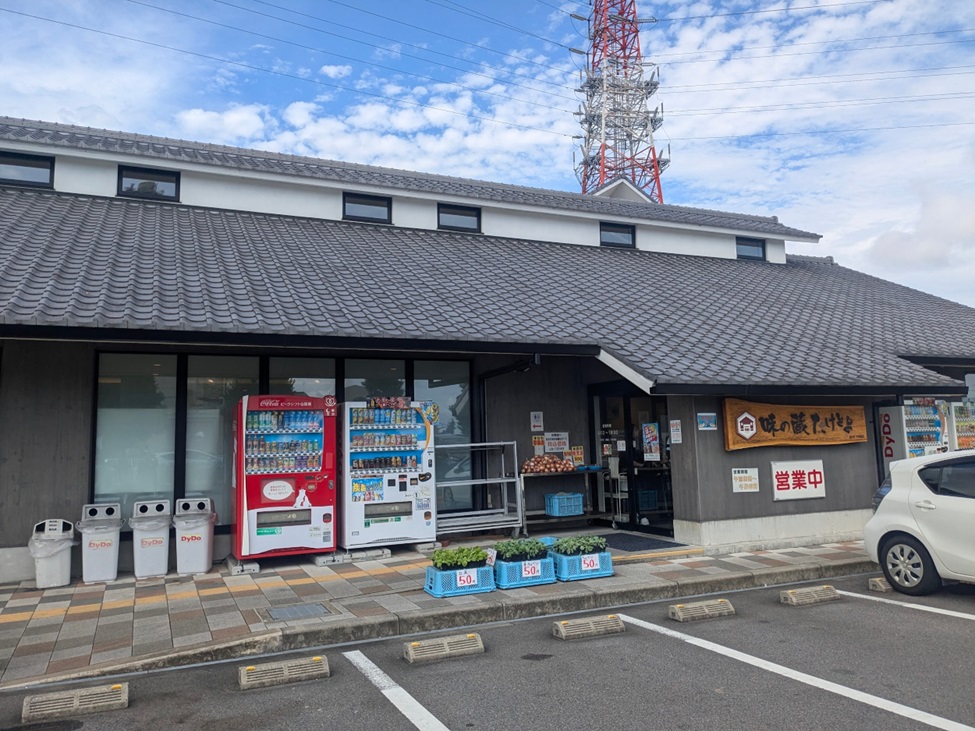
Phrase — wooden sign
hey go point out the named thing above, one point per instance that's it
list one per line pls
(748, 424)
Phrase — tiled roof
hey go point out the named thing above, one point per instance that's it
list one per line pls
(80, 261)
(178, 152)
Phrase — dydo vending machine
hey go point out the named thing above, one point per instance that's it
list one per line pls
(389, 491)
(285, 476)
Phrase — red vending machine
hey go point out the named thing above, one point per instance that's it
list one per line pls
(284, 476)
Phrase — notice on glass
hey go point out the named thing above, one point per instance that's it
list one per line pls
(651, 442)
(537, 424)
(744, 479)
(676, 436)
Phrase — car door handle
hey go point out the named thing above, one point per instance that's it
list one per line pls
(925, 505)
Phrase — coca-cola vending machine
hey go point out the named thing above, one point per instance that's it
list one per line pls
(285, 480)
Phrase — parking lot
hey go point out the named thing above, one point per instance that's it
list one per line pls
(868, 660)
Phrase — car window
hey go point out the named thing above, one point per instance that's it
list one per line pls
(930, 476)
(957, 479)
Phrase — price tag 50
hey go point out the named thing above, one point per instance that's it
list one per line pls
(467, 577)
(531, 569)
(590, 562)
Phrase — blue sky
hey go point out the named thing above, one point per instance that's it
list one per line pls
(855, 120)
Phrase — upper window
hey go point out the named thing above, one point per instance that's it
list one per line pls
(374, 208)
(21, 169)
(146, 183)
(617, 234)
(750, 248)
(458, 218)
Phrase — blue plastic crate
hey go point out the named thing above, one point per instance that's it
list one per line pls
(510, 574)
(563, 503)
(444, 583)
(549, 541)
(569, 568)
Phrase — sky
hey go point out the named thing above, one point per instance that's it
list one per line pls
(854, 120)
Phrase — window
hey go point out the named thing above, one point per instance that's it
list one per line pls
(33, 170)
(448, 384)
(751, 248)
(374, 208)
(458, 218)
(367, 378)
(214, 386)
(146, 183)
(135, 435)
(313, 377)
(617, 234)
(956, 479)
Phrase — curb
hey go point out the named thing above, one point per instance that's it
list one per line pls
(576, 598)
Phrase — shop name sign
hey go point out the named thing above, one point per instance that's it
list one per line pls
(798, 480)
(748, 424)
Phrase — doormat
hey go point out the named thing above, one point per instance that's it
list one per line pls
(628, 542)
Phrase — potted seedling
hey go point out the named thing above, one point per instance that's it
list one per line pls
(461, 570)
(581, 557)
(524, 549)
(462, 557)
(522, 562)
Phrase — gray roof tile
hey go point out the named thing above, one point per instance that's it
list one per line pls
(79, 261)
(175, 152)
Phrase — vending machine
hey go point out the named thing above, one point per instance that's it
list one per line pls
(285, 476)
(962, 426)
(914, 429)
(388, 486)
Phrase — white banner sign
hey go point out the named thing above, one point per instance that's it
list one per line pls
(744, 479)
(798, 480)
(556, 441)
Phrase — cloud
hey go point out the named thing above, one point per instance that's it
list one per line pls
(335, 72)
(240, 124)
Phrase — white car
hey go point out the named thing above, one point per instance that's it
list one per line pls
(923, 529)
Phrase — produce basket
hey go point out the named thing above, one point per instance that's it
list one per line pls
(445, 583)
(514, 574)
(563, 503)
(589, 566)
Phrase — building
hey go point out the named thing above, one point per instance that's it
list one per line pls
(147, 283)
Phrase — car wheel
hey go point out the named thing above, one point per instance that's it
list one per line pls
(908, 566)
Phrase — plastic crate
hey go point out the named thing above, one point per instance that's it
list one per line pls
(563, 503)
(444, 583)
(510, 574)
(569, 568)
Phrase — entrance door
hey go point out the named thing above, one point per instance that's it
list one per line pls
(632, 437)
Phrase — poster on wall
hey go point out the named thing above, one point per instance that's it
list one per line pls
(676, 435)
(536, 418)
(798, 480)
(744, 479)
(749, 424)
(707, 422)
(651, 442)
(538, 444)
(556, 441)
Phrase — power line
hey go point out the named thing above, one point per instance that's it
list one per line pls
(769, 10)
(350, 58)
(827, 79)
(251, 67)
(850, 130)
(488, 19)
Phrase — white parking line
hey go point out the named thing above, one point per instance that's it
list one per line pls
(404, 702)
(921, 607)
(871, 700)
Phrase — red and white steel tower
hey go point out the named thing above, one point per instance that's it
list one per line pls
(617, 123)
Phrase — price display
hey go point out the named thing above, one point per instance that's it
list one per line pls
(531, 569)
(590, 562)
(467, 577)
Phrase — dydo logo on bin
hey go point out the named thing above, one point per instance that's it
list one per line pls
(151, 542)
(98, 545)
(190, 539)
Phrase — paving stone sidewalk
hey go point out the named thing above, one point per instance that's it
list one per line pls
(129, 624)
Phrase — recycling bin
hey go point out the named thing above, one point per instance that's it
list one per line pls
(194, 521)
(50, 547)
(100, 526)
(150, 524)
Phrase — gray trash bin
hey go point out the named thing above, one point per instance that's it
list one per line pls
(194, 521)
(150, 523)
(100, 526)
(50, 547)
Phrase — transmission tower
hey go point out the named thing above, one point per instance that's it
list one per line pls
(616, 120)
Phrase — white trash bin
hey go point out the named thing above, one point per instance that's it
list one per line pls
(150, 524)
(194, 521)
(50, 547)
(100, 526)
